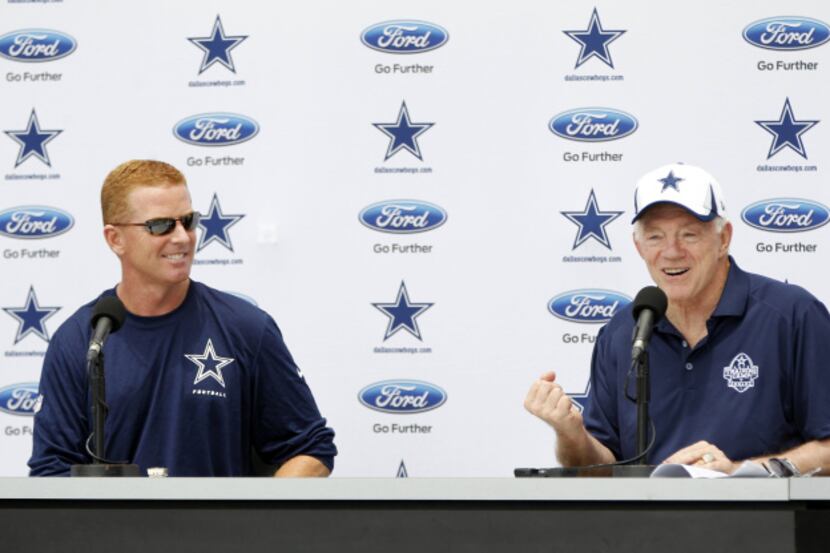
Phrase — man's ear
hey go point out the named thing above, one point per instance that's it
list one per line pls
(115, 239)
(725, 239)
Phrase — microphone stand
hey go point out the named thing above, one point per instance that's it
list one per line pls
(643, 396)
(100, 466)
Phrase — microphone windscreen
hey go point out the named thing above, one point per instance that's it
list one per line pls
(109, 306)
(651, 297)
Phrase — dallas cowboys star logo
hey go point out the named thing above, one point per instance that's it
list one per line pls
(579, 399)
(31, 317)
(215, 226)
(217, 47)
(403, 134)
(215, 361)
(594, 41)
(591, 222)
(670, 181)
(402, 472)
(787, 131)
(402, 314)
(33, 141)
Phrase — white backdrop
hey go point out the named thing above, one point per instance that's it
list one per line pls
(684, 71)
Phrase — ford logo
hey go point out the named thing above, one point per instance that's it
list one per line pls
(19, 399)
(32, 222)
(787, 33)
(36, 45)
(404, 36)
(402, 396)
(403, 216)
(588, 306)
(593, 124)
(786, 215)
(216, 129)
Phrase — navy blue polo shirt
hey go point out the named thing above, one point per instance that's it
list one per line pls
(758, 383)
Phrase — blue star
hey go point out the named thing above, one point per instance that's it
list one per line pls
(594, 41)
(33, 141)
(217, 47)
(787, 131)
(31, 317)
(579, 399)
(670, 181)
(591, 222)
(216, 225)
(402, 314)
(402, 472)
(403, 134)
(217, 361)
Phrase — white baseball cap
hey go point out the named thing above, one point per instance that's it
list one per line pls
(689, 187)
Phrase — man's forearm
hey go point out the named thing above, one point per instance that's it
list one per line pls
(302, 465)
(806, 457)
(581, 449)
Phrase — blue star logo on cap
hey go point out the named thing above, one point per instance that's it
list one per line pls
(215, 226)
(31, 317)
(591, 222)
(670, 181)
(402, 314)
(217, 47)
(787, 131)
(33, 141)
(403, 134)
(209, 357)
(594, 41)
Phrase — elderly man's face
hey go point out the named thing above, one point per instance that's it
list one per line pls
(682, 253)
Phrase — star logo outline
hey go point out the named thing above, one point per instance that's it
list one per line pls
(403, 134)
(794, 128)
(591, 222)
(217, 47)
(31, 317)
(594, 41)
(215, 226)
(214, 373)
(403, 314)
(33, 141)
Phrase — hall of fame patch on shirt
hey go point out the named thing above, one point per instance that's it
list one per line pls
(741, 373)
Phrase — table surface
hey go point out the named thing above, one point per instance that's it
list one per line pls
(417, 489)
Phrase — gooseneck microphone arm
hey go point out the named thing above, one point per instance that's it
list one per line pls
(649, 307)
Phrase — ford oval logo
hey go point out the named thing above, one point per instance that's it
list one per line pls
(588, 306)
(20, 399)
(36, 45)
(786, 215)
(404, 36)
(32, 222)
(403, 216)
(402, 396)
(593, 124)
(787, 33)
(216, 129)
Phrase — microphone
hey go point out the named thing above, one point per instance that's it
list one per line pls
(649, 307)
(107, 316)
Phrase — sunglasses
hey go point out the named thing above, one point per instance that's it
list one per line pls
(165, 225)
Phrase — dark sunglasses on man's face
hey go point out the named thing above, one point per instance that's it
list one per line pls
(165, 225)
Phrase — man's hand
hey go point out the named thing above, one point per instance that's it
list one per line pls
(704, 455)
(548, 401)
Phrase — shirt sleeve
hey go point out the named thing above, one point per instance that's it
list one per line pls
(61, 426)
(600, 413)
(287, 422)
(812, 373)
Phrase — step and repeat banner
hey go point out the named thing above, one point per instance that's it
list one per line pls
(433, 201)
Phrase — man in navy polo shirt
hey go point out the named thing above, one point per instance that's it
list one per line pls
(740, 365)
(196, 378)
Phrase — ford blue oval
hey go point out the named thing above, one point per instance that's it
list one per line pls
(787, 33)
(402, 396)
(588, 305)
(404, 36)
(19, 399)
(36, 45)
(216, 129)
(32, 222)
(402, 216)
(786, 215)
(593, 124)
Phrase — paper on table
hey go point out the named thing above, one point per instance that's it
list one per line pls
(748, 469)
